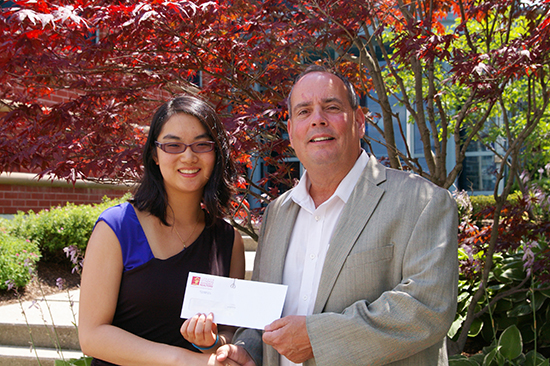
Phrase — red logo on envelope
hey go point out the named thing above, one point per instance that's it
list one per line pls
(203, 282)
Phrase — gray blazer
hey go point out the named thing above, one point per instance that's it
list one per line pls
(388, 289)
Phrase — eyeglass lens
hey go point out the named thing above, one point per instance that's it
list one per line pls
(179, 147)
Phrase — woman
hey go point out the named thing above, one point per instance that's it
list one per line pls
(140, 253)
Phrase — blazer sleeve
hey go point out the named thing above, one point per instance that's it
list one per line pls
(412, 316)
(251, 339)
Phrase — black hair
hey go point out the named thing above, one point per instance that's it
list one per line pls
(150, 195)
(352, 96)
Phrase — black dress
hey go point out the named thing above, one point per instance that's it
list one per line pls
(151, 290)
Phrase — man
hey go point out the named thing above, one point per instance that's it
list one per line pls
(369, 253)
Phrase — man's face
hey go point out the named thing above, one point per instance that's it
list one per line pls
(324, 129)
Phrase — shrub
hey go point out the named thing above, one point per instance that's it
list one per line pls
(518, 290)
(481, 203)
(516, 298)
(507, 351)
(17, 260)
(59, 227)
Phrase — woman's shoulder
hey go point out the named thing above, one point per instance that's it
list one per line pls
(116, 215)
(117, 211)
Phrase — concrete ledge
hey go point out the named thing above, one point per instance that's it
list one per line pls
(61, 336)
(31, 179)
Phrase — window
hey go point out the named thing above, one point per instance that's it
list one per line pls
(478, 172)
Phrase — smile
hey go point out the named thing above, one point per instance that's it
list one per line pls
(188, 171)
(318, 139)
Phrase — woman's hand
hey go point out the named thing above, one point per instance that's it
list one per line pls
(201, 331)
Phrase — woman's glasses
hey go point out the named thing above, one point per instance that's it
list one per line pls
(179, 147)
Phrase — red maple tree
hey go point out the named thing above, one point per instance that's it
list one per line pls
(123, 58)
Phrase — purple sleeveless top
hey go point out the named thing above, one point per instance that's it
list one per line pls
(151, 289)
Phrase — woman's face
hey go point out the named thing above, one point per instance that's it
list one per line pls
(186, 172)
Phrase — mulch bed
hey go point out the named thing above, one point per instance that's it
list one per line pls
(44, 283)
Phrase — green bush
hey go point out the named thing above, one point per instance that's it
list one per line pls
(480, 203)
(507, 351)
(524, 305)
(17, 260)
(59, 227)
(516, 302)
(544, 184)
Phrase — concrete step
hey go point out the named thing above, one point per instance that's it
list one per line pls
(26, 356)
(250, 244)
(41, 335)
(48, 323)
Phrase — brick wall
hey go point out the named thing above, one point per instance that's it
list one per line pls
(59, 96)
(22, 192)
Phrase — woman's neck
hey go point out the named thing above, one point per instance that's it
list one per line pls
(184, 209)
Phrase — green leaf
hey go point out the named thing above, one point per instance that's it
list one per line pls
(510, 344)
(462, 362)
(477, 358)
(502, 322)
(539, 300)
(503, 305)
(533, 358)
(62, 363)
(526, 329)
(518, 297)
(463, 296)
(496, 287)
(455, 327)
(490, 357)
(512, 274)
(544, 332)
(476, 327)
(83, 361)
(520, 310)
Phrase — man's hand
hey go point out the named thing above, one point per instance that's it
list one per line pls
(234, 356)
(289, 337)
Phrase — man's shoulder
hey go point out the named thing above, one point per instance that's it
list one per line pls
(281, 205)
(284, 198)
(396, 179)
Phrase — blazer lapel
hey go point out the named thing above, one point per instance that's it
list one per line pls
(279, 239)
(355, 215)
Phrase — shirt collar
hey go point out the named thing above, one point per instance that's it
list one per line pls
(300, 193)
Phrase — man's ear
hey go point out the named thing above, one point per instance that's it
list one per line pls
(360, 121)
(289, 129)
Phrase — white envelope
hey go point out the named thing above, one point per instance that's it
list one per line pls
(240, 303)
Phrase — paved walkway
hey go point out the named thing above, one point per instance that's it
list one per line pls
(63, 307)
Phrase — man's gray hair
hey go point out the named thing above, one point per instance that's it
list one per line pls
(352, 96)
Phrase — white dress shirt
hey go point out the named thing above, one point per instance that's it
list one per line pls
(309, 241)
